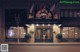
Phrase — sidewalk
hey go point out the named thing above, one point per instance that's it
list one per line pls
(44, 43)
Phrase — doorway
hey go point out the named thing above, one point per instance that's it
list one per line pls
(43, 34)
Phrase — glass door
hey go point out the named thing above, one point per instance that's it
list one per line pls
(43, 35)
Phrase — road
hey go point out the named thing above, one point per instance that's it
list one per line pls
(44, 48)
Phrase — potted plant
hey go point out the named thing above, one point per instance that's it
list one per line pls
(59, 37)
(27, 37)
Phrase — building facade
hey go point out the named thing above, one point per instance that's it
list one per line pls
(42, 19)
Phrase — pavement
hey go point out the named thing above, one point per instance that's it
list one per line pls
(43, 43)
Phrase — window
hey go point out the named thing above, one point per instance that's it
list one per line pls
(70, 13)
(15, 33)
(71, 32)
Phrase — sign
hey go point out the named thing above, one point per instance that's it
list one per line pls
(4, 47)
(69, 1)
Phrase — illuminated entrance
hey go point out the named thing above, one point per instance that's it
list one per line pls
(43, 34)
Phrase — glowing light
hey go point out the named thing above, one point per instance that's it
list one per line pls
(63, 33)
(42, 24)
(48, 24)
(32, 24)
(78, 14)
(37, 24)
(24, 33)
(27, 25)
(76, 33)
(59, 25)
(10, 33)
(54, 25)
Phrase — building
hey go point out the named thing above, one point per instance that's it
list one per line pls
(43, 19)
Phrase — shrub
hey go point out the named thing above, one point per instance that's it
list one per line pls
(59, 36)
(27, 36)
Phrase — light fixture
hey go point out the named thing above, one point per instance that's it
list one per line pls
(42, 24)
(76, 33)
(10, 33)
(54, 24)
(32, 24)
(78, 13)
(63, 33)
(37, 24)
(27, 25)
(48, 24)
(59, 25)
(24, 33)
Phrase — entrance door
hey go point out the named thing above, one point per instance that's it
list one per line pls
(43, 34)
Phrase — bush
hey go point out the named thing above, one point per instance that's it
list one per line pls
(27, 36)
(59, 36)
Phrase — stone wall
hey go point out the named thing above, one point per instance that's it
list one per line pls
(2, 25)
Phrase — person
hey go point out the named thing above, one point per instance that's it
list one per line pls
(44, 36)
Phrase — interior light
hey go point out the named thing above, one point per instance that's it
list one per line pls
(37, 24)
(27, 25)
(59, 25)
(48, 24)
(10, 33)
(75, 32)
(63, 33)
(32, 24)
(42, 24)
(54, 24)
(24, 33)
